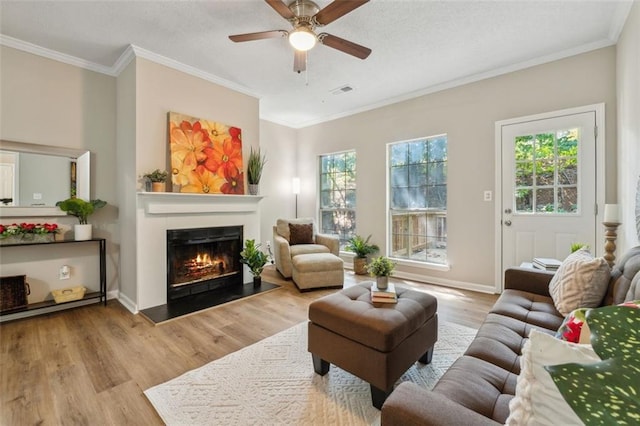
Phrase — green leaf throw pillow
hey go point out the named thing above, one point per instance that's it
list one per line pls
(607, 392)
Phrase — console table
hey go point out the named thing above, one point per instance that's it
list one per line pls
(47, 306)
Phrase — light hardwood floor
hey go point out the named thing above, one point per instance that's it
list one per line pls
(90, 365)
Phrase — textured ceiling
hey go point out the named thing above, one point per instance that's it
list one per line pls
(418, 46)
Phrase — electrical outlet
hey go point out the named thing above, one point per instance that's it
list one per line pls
(37, 196)
(64, 273)
(488, 195)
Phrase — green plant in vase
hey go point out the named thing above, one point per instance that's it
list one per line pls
(82, 210)
(362, 248)
(381, 267)
(255, 259)
(158, 179)
(255, 165)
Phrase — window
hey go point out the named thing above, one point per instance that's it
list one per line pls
(418, 199)
(547, 172)
(338, 194)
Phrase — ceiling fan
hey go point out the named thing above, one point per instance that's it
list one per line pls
(305, 16)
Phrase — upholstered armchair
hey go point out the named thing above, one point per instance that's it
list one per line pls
(293, 237)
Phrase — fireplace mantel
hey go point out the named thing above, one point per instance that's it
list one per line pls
(166, 203)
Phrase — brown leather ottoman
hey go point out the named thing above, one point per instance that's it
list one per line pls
(376, 342)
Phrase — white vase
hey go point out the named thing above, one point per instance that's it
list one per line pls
(82, 232)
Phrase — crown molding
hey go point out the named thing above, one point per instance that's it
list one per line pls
(54, 55)
(188, 69)
(121, 63)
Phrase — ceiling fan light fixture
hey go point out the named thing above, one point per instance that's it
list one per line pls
(302, 38)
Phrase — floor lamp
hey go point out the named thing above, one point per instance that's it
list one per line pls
(295, 186)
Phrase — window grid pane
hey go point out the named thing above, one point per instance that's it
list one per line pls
(418, 200)
(338, 195)
(546, 172)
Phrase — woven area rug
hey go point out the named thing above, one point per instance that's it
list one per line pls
(273, 382)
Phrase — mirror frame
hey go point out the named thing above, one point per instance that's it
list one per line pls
(83, 173)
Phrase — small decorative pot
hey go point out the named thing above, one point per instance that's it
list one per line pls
(158, 186)
(257, 281)
(360, 265)
(253, 189)
(82, 232)
(382, 282)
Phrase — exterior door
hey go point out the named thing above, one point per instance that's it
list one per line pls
(548, 198)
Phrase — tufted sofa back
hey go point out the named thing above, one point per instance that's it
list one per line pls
(625, 279)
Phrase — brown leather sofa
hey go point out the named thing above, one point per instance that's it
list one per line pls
(477, 388)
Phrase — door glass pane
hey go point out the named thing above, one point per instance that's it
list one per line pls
(544, 200)
(568, 199)
(524, 174)
(568, 171)
(524, 148)
(524, 200)
(544, 172)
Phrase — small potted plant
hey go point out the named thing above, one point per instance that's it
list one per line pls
(158, 180)
(254, 170)
(381, 268)
(362, 248)
(255, 259)
(82, 210)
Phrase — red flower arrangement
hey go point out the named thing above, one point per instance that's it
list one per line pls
(28, 228)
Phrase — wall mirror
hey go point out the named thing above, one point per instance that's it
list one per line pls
(34, 177)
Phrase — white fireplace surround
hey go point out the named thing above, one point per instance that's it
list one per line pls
(159, 211)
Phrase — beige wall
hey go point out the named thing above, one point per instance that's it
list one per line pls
(279, 144)
(628, 72)
(467, 114)
(50, 103)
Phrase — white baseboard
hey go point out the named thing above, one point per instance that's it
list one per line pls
(127, 303)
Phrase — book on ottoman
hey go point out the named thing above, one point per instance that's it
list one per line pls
(387, 295)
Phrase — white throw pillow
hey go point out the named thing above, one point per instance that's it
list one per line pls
(580, 282)
(538, 401)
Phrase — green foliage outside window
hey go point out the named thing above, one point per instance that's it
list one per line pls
(338, 194)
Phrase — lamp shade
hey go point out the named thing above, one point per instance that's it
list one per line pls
(302, 38)
(295, 185)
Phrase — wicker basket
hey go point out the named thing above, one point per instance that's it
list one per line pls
(68, 294)
(13, 292)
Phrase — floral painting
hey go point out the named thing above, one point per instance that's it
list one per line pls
(206, 157)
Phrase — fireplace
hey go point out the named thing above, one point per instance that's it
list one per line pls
(200, 260)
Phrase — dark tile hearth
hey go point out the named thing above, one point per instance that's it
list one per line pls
(198, 302)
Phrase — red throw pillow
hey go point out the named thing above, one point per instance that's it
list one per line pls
(300, 233)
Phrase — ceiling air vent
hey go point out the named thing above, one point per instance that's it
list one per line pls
(342, 89)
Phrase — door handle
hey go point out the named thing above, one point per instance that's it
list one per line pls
(507, 222)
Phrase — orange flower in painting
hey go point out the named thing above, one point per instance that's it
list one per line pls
(234, 183)
(202, 181)
(223, 157)
(216, 132)
(181, 168)
(188, 145)
(236, 136)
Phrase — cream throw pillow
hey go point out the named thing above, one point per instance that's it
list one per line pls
(538, 401)
(580, 282)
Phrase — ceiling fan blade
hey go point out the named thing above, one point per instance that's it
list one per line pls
(336, 9)
(345, 46)
(299, 61)
(281, 8)
(258, 36)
